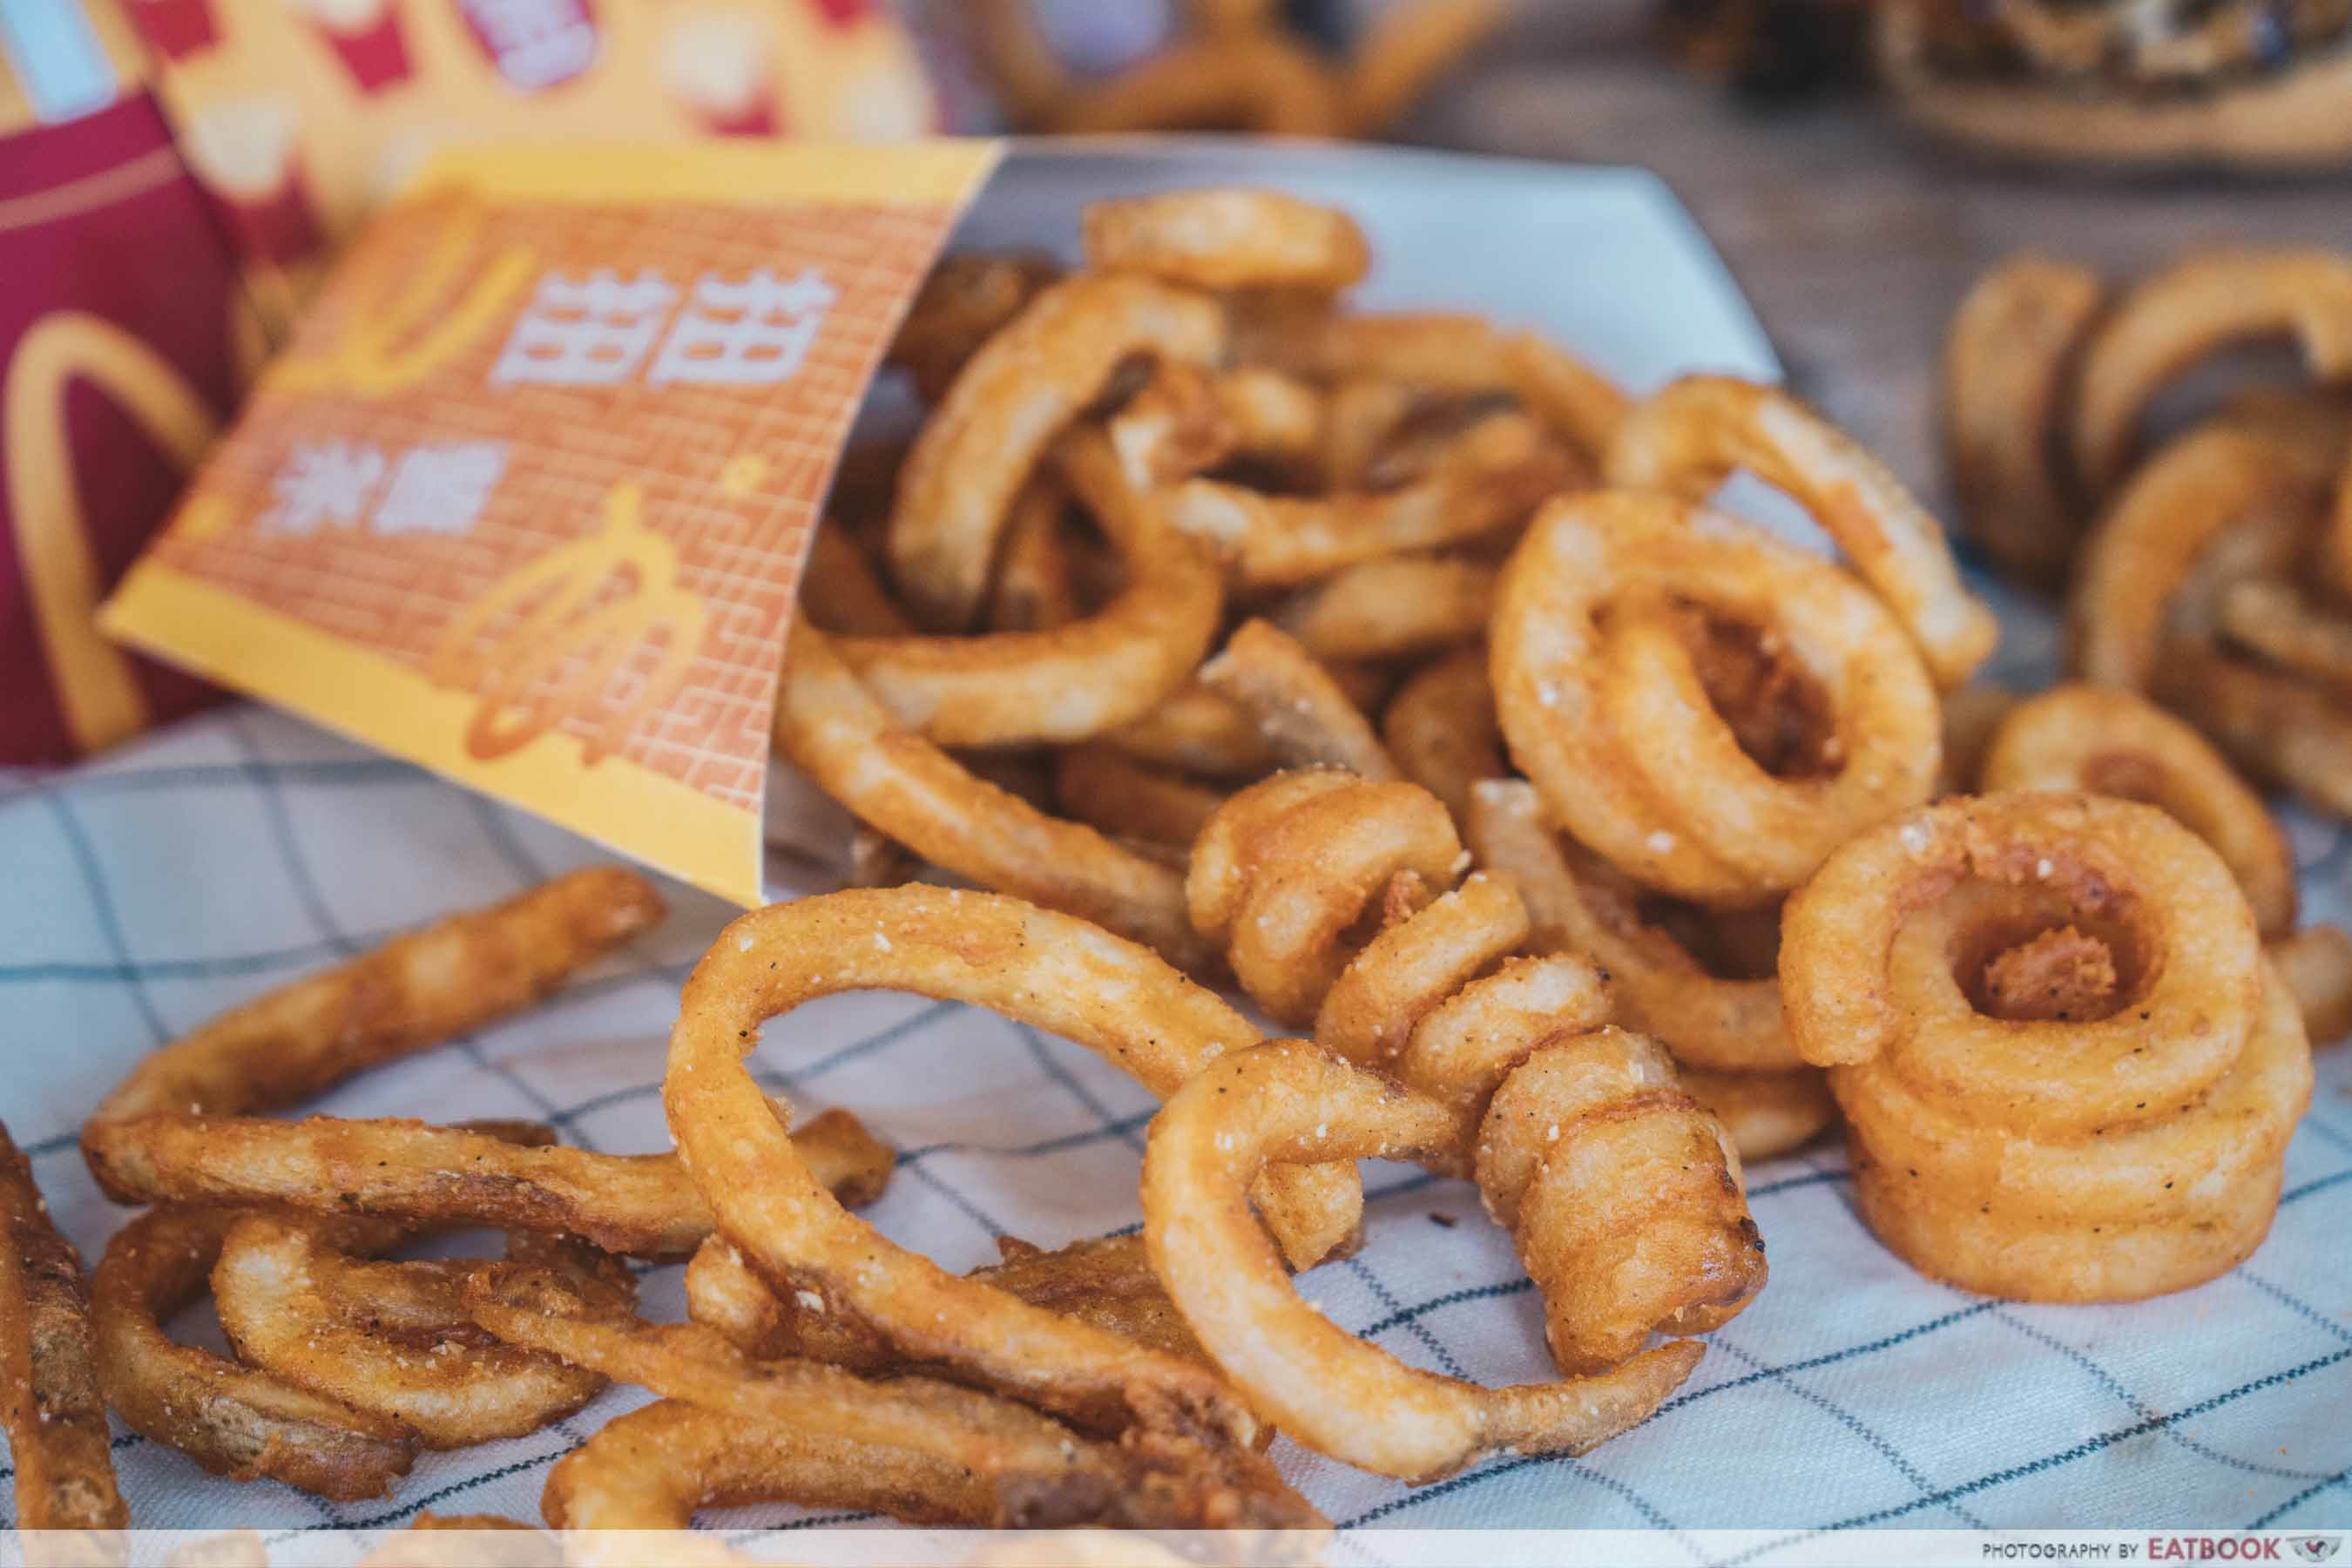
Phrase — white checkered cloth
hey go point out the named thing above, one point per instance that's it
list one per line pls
(158, 886)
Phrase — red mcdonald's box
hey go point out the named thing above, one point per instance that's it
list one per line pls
(121, 332)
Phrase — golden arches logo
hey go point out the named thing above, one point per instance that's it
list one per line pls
(389, 345)
(568, 635)
(97, 694)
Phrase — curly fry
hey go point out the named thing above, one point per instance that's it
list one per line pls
(2189, 310)
(49, 1400)
(1020, 390)
(1688, 438)
(2010, 357)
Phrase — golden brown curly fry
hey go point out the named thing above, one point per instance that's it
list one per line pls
(2009, 360)
(903, 785)
(417, 1172)
(1074, 680)
(453, 976)
(1029, 1468)
(1690, 437)
(1305, 718)
(1050, 970)
(233, 1420)
(1021, 389)
(300, 1299)
(1227, 238)
(1486, 479)
(2105, 739)
(49, 1400)
(967, 300)
(2191, 309)
(1391, 608)
(1286, 1100)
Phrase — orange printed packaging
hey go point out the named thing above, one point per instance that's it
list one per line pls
(526, 499)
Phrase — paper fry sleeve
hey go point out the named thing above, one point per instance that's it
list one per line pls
(526, 497)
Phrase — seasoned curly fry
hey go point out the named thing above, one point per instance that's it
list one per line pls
(414, 1172)
(903, 785)
(49, 1400)
(1391, 608)
(1019, 391)
(1036, 1470)
(1622, 1196)
(967, 299)
(2190, 309)
(451, 977)
(1488, 478)
(2109, 740)
(2009, 362)
(1043, 969)
(233, 1420)
(1228, 238)
(1287, 1100)
(1604, 622)
(1071, 681)
(1305, 718)
(1689, 437)
(296, 1299)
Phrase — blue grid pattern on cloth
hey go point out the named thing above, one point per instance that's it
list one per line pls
(159, 885)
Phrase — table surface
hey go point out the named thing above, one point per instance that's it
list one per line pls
(1854, 237)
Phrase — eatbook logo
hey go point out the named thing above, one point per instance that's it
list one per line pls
(2317, 1548)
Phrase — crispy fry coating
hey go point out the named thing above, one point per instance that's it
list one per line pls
(1942, 965)
(1287, 1100)
(49, 1400)
(1307, 720)
(1688, 438)
(233, 1420)
(1603, 697)
(1066, 682)
(1046, 969)
(2105, 739)
(903, 785)
(1027, 1467)
(299, 1299)
(417, 1172)
(1622, 1195)
(2010, 357)
(1023, 386)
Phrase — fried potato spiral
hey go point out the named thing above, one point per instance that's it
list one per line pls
(1689, 437)
(1051, 971)
(50, 1405)
(2105, 739)
(1731, 1050)
(980, 447)
(1289, 1101)
(2195, 308)
(2069, 1073)
(1605, 703)
(1289, 872)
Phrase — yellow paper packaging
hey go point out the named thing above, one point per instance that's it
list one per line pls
(526, 497)
(301, 116)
